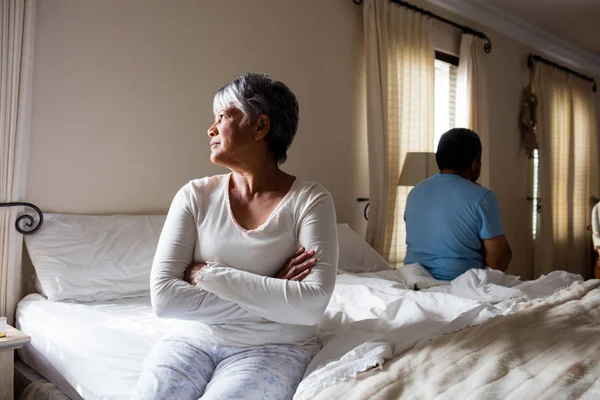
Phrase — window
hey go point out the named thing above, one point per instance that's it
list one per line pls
(534, 197)
(423, 139)
(446, 67)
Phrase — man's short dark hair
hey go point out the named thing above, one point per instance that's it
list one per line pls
(457, 149)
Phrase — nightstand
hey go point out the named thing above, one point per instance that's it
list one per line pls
(13, 340)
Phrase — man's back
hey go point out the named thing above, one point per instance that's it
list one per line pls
(447, 217)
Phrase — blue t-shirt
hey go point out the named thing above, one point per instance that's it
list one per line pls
(447, 217)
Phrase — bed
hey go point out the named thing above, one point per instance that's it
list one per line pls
(382, 333)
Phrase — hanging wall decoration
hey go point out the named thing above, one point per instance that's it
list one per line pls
(528, 121)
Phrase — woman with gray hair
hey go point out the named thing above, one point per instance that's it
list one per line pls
(246, 261)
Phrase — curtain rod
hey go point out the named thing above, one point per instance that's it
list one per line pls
(487, 47)
(534, 57)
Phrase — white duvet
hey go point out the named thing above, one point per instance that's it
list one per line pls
(99, 347)
(547, 349)
(373, 317)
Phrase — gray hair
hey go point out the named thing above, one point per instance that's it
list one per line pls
(256, 94)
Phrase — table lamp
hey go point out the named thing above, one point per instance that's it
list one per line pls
(417, 167)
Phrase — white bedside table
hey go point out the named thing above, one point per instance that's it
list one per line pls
(13, 340)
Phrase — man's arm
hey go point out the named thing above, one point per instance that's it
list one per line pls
(497, 252)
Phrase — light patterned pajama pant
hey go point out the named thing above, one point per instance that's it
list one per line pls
(186, 368)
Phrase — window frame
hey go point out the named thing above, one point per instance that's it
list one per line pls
(447, 57)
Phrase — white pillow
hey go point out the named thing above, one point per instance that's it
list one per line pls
(94, 258)
(356, 255)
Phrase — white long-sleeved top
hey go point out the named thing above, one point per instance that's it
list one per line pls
(596, 225)
(237, 302)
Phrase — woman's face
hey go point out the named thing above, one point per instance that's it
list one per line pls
(230, 141)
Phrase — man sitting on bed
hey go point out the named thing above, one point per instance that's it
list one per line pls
(452, 223)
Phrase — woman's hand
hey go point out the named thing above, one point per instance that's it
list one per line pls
(191, 272)
(298, 266)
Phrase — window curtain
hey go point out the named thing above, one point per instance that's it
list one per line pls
(471, 96)
(568, 170)
(16, 57)
(400, 113)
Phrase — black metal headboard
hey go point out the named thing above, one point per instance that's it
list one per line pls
(25, 223)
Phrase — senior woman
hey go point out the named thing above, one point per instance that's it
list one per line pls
(249, 258)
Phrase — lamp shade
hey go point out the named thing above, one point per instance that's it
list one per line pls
(417, 167)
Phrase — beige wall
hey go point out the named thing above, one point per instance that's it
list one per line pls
(123, 90)
(123, 94)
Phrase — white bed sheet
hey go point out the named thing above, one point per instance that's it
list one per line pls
(45, 389)
(99, 348)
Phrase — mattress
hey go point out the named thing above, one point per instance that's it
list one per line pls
(37, 362)
(73, 344)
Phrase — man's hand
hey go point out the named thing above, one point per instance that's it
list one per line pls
(298, 266)
(191, 272)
